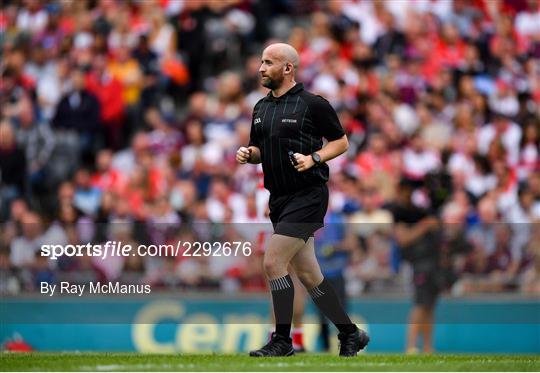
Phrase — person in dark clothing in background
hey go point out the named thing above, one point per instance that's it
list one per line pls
(431, 246)
(12, 168)
(78, 111)
(417, 234)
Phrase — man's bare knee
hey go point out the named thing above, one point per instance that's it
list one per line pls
(278, 255)
(274, 268)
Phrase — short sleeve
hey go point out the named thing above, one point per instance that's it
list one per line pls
(325, 119)
(253, 136)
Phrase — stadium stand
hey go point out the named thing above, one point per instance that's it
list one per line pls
(120, 120)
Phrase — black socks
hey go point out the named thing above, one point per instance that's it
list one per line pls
(283, 297)
(324, 297)
(328, 302)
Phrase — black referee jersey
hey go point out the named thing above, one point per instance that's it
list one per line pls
(296, 121)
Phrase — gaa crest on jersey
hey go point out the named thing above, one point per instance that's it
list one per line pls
(257, 121)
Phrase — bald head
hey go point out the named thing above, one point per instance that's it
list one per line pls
(285, 53)
(278, 66)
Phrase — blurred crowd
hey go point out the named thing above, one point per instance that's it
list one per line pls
(120, 121)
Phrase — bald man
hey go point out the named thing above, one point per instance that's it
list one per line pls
(287, 133)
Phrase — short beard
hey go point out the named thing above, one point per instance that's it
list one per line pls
(272, 84)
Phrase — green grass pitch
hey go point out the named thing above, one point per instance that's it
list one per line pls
(302, 362)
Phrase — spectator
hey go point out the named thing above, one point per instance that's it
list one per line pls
(221, 198)
(454, 244)
(162, 38)
(65, 194)
(503, 130)
(145, 56)
(87, 198)
(106, 87)
(164, 139)
(78, 112)
(462, 160)
(505, 191)
(163, 221)
(106, 178)
(41, 271)
(127, 160)
(119, 232)
(52, 86)
(530, 279)
(11, 284)
(15, 87)
(418, 160)
(12, 167)
(38, 141)
(482, 235)
(18, 208)
(482, 178)
(377, 158)
(33, 18)
(392, 41)
(372, 265)
(529, 157)
(372, 218)
(501, 260)
(127, 71)
(23, 249)
(199, 157)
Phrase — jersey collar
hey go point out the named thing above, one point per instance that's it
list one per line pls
(296, 88)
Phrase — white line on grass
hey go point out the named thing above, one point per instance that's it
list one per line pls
(111, 367)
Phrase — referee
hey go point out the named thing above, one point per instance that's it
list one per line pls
(286, 137)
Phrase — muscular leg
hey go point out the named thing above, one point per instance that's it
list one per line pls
(309, 272)
(306, 266)
(281, 249)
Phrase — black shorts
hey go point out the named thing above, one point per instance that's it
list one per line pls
(299, 214)
(426, 288)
